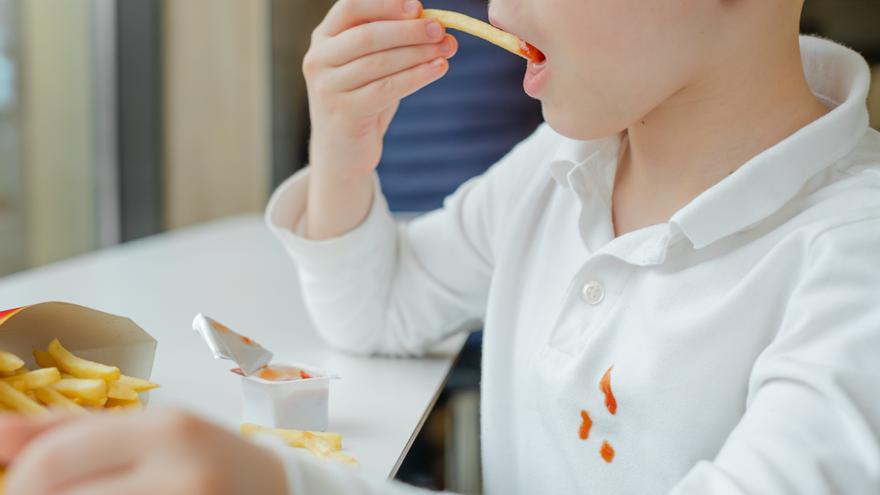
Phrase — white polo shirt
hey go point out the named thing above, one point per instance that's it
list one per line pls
(742, 336)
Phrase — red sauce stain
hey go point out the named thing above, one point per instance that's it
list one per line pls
(237, 371)
(531, 53)
(607, 451)
(586, 425)
(605, 386)
(220, 327)
(247, 340)
(304, 375)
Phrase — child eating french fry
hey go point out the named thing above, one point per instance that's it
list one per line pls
(679, 274)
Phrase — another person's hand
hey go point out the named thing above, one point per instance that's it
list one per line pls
(151, 453)
(365, 57)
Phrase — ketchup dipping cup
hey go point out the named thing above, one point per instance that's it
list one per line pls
(291, 396)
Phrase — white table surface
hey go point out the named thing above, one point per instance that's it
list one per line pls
(235, 271)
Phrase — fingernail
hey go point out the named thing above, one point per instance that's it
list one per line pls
(437, 63)
(435, 30)
(447, 47)
(411, 7)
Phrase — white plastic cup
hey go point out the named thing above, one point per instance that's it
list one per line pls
(290, 404)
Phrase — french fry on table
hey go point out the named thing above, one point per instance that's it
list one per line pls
(293, 438)
(320, 444)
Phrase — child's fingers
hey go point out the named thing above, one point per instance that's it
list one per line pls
(346, 14)
(55, 459)
(376, 66)
(379, 36)
(17, 432)
(388, 90)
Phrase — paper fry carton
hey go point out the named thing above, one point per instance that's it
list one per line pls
(86, 332)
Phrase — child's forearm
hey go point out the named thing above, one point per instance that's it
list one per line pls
(335, 205)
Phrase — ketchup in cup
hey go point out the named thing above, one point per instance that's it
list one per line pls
(275, 395)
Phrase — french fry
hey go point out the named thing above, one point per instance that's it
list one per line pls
(321, 448)
(66, 382)
(55, 400)
(293, 438)
(79, 367)
(119, 391)
(91, 390)
(18, 401)
(2, 480)
(139, 385)
(123, 404)
(9, 362)
(7, 374)
(34, 379)
(480, 29)
(44, 359)
(92, 403)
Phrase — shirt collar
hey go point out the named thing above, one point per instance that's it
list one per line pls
(837, 75)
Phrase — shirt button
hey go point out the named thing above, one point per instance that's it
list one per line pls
(593, 292)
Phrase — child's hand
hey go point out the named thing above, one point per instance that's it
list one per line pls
(365, 57)
(156, 452)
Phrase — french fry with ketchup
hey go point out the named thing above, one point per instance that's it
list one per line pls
(475, 27)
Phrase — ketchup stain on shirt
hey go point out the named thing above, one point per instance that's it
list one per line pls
(607, 451)
(586, 425)
(605, 387)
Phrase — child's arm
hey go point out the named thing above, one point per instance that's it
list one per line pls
(364, 58)
(812, 423)
(385, 288)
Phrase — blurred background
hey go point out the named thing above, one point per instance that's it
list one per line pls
(123, 119)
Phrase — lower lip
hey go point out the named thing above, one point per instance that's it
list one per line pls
(536, 78)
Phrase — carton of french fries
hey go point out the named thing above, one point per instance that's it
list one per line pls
(60, 356)
(66, 358)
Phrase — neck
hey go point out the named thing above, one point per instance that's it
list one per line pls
(709, 128)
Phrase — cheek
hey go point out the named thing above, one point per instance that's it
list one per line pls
(608, 75)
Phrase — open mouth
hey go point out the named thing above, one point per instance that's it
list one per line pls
(531, 53)
(537, 75)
